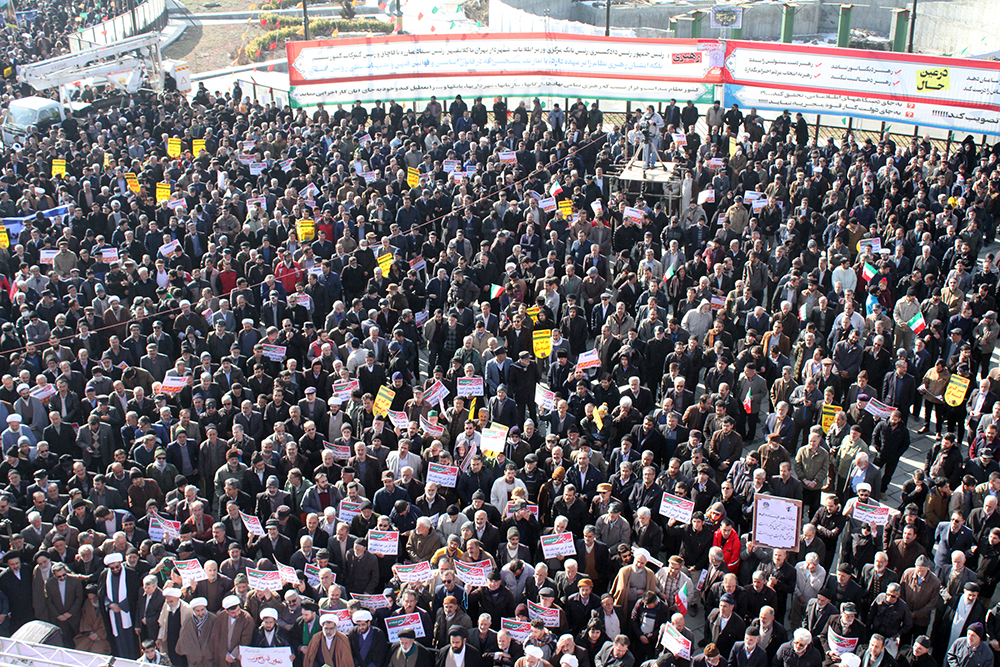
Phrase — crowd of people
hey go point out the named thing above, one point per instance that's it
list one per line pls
(394, 387)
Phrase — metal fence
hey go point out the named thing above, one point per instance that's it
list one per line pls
(141, 18)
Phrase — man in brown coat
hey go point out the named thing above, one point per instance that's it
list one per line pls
(921, 589)
(233, 628)
(196, 639)
(329, 647)
(64, 598)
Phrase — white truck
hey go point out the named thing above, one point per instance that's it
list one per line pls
(115, 64)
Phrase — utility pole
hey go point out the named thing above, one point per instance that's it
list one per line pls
(607, 18)
(305, 19)
(913, 24)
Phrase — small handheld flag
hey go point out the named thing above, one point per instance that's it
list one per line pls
(681, 600)
(748, 402)
(495, 291)
(868, 272)
(917, 323)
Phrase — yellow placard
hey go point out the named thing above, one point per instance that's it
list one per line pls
(174, 147)
(542, 340)
(566, 207)
(383, 401)
(305, 230)
(4, 238)
(599, 416)
(107, 160)
(162, 192)
(58, 167)
(412, 177)
(8, 71)
(197, 146)
(932, 80)
(133, 182)
(830, 416)
(472, 409)
(533, 311)
(954, 393)
(385, 263)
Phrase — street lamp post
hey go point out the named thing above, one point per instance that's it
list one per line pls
(607, 18)
(305, 19)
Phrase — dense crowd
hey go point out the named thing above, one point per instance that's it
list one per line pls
(335, 389)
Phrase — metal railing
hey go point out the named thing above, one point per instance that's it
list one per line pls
(139, 18)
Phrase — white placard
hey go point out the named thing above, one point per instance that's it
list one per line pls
(413, 573)
(559, 544)
(394, 624)
(348, 510)
(266, 657)
(191, 571)
(519, 630)
(675, 642)
(470, 574)
(675, 507)
(436, 393)
(872, 513)
(544, 398)
(264, 580)
(470, 386)
(372, 601)
(385, 542)
(252, 524)
(777, 522)
(442, 475)
(399, 419)
(549, 616)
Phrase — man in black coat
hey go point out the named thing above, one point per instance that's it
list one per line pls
(747, 653)
(15, 582)
(407, 642)
(369, 645)
(494, 599)
(725, 637)
(119, 597)
(522, 378)
(457, 645)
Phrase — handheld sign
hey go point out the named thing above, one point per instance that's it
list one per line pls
(674, 507)
(385, 542)
(777, 522)
(442, 475)
(252, 524)
(191, 571)
(560, 544)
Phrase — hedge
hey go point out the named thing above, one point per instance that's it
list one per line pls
(290, 27)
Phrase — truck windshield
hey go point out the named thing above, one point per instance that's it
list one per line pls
(19, 116)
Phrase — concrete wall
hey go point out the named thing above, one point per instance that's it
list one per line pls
(954, 27)
(760, 21)
(950, 27)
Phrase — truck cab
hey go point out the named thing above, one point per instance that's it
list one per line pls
(42, 113)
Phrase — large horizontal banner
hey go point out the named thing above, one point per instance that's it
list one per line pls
(950, 93)
(538, 64)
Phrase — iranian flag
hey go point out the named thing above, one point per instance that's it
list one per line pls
(555, 189)
(681, 600)
(917, 323)
(747, 402)
(669, 274)
(868, 272)
(495, 291)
